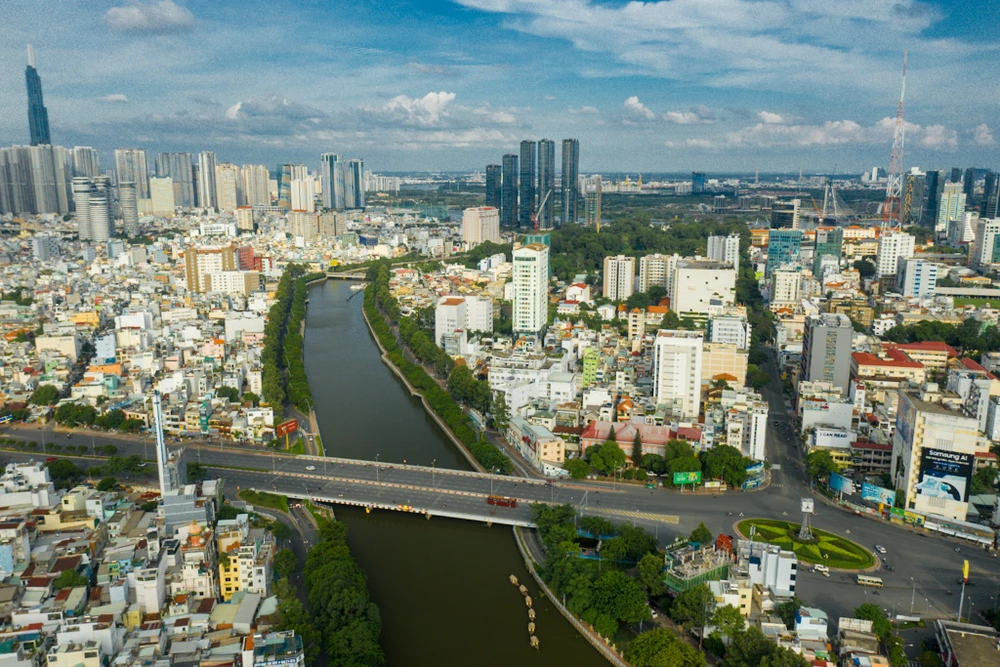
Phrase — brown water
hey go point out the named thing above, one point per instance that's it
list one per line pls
(442, 585)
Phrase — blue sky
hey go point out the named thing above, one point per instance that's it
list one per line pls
(678, 85)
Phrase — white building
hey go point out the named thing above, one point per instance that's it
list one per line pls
(656, 269)
(917, 278)
(769, 566)
(531, 288)
(785, 285)
(985, 250)
(730, 329)
(677, 360)
(480, 224)
(458, 313)
(700, 283)
(303, 194)
(44, 248)
(161, 197)
(891, 248)
(746, 422)
(725, 249)
(619, 277)
(227, 180)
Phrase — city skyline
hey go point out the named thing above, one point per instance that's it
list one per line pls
(660, 86)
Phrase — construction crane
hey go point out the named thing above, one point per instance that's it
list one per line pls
(541, 205)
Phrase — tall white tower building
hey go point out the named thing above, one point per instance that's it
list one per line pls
(677, 359)
(531, 288)
(619, 277)
(481, 224)
(891, 248)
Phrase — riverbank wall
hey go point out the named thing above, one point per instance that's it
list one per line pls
(476, 465)
(609, 652)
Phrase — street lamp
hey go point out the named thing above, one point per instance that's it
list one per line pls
(376, 468)
(433, 470)
(913, 594)
(492, 470)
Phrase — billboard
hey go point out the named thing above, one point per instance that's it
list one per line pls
(877, 494)
(808, 505)
(841, 483)
(284, 428)
(687, 477)
(945, 474)
(755, 469)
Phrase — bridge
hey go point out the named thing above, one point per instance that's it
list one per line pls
(435, 492)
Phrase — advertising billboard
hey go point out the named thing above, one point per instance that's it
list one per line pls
(284, 428)
(877, 494)
(945, 474)
(841, 483)
(807, 505)
(687, 477)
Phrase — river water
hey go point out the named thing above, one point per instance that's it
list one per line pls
(442, 585)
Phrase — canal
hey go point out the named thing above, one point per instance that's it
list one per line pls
(441, 585)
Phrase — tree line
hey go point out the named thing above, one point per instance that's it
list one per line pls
(380, 306)
(283, 368)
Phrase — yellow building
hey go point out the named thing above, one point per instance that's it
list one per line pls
(723, 359)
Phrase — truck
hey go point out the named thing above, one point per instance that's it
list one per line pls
(501, 501)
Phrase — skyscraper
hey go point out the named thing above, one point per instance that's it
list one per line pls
(508, 192)
(206, 180)
(677, 360)
(92, 198)
(783, 247)
(493, 179)
(253, 178)
(826, 349)
(85, 162)
(829, 243)
(546, 183)
(725, 248)
(35, 179)
(697, 182)
(891, 248)
(991, 196)
(130, 166)
(180, 168)
(531, 293)
(619, 277)
(934, 190)
(354, 184)
(227, 179)
(570, 176)
(332, 175)
(592, 202)
(286, 174)
(130, 208)
(526, 189)
(969, 183)
(38, 115)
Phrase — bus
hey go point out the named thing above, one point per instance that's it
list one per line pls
(501, 501)
(865, 580)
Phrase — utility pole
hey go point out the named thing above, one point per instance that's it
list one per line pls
(913, 594)
(433, 470)
(376, 469)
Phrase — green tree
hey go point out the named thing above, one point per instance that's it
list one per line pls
(107, 484)
(619, 597)
(280, 530)
(694, 607)
(820, 464)
(501, 414)
(636, 450)
(609, 458)
(783, 657)
(748, 648)
(660, 647)
(252, 398)
(865, 268)
(597, 526)
(984, 481)
(650, 571)
(786, 611)
(577, 468)
(292, 616)
(47, 394)
(285, 563)
(613, 550)
(728, 620)
(701, 534)
(70, 579)
(196, 472)
(881, 625)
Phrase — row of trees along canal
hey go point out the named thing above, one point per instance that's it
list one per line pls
(382, 311)
(342, 625)
(283, 343)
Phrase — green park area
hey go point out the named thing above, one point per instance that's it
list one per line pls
(825, 548)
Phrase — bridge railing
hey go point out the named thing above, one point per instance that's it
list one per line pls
(427, 469)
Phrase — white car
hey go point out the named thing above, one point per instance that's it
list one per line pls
(879, 548)
(310, 468)
(821, 568)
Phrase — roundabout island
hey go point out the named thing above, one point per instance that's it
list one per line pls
(824, 548)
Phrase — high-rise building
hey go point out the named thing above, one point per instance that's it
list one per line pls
(969, 184)
(546, 183)
(180, 168)
(38, 115)
(951, 206)
(201, 263)
(826, 350)
(656, 269)
(956, 175)
(914, 197)
(253, 178)
(85, 162)
(462, 313)
(92, 199)
(332, 175)
(933, 456)
(354, 183)
(725, 249)
(508, 192)
(785, 214)
(935, 182)
(480, 224)
(592, 202)
(892, 247)
(227, 179)
(786, 286)
(783, 247)
(130, 167)
(206, 180)
(303, 195)
(44, 248)
(697, 182)
(829, 243)
(569, 180)
(619, 277)
(985, 249)
(677, 361)
(286, 174)
(128, 200)
(161, 197)
(917, 278)
(531, 288)
(494, 177)
(990, 207)
(35, 179)
(698, 285)
(527, 197)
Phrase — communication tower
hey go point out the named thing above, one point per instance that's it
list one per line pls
(892, 210)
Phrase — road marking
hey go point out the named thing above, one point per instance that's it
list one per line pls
(662, 518)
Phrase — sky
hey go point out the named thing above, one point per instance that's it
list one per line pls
(657, 86)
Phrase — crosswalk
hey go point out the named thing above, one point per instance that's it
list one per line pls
(649, 516)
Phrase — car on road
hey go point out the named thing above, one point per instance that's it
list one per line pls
(310, 468)
(879, 548)
(821, 568)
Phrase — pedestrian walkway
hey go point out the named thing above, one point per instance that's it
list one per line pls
(649, 516)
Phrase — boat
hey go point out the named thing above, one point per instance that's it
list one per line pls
(357, 287)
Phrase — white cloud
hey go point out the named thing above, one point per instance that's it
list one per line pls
(113, 98)
(771, 118)
(163, 16)
(425, 111)
(584, 110)
(698, 114)
(550, 98)
(939, 137)
(637, 109)
(982, 135)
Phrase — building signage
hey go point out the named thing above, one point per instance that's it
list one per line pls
(945, 474)
(687, 477)
(841, 483)
(284, 428)
(877, 494)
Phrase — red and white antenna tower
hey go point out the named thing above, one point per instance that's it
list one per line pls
(892, 210)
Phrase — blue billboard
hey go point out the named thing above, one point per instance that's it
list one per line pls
(841, 483)
(877, 494)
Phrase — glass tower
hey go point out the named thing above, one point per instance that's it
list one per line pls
(38, 115)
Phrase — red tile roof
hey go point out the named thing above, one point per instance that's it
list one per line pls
(896, 358)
